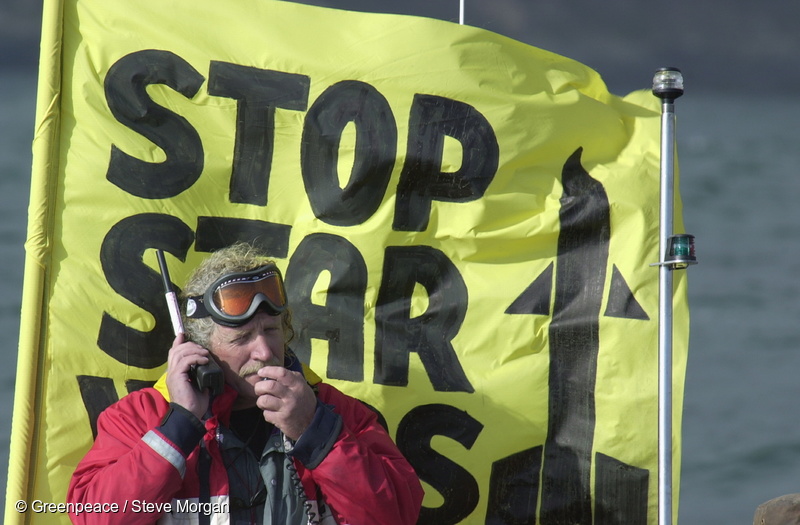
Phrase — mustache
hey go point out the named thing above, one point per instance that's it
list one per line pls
(254, 366)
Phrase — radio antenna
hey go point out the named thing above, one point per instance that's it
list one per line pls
(169, 293)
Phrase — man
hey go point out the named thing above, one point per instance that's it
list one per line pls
(269, 449)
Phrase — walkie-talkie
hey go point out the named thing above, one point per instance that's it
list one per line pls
(202, 376)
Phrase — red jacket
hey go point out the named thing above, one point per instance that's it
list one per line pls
(139, 470)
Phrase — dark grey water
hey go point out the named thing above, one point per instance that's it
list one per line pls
(17, 111)
(741, 186)
(739, 170)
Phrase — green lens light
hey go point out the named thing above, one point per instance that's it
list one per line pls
(681, 251)
(681, 246)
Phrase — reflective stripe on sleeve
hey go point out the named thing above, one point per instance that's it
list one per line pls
(166, 451)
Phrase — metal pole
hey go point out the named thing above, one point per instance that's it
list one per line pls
(667, 85)
(461, 12)
(665, 323)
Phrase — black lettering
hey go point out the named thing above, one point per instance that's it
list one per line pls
(126, 93)
(621, 492)
(98, 393)
(214, 233)
(374, 155)
(456, 485)
(422, 179)
(132, 385)
(514, 488)
(429, 334)
(621, 302)
(121, 259)
(581, 269)
(258, 93)
(341, 320)
(535, 300)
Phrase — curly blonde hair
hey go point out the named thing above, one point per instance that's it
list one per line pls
(238, 257)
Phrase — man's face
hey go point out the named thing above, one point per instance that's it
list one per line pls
(242, 351)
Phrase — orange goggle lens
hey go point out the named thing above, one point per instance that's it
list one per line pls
(235, 297)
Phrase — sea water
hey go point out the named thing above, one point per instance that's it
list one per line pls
(740, 186)
(17, 111)
(740, 178)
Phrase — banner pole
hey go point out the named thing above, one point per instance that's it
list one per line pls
(677, 252)
(461, 12)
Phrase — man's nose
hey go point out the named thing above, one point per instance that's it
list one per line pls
(261, 350)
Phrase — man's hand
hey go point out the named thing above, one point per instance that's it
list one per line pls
(286, 399)
(182, 355)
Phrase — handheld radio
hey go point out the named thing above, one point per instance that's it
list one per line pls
(208, 376)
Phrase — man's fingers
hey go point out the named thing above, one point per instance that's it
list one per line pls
(271, 387)
(193, 353)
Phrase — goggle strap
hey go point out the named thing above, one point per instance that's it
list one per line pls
(196, 308)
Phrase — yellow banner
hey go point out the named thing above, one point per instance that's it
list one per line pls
(465, 223)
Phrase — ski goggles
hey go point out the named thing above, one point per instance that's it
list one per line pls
(233, 299)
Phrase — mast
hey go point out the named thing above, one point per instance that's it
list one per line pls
(678, 253)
